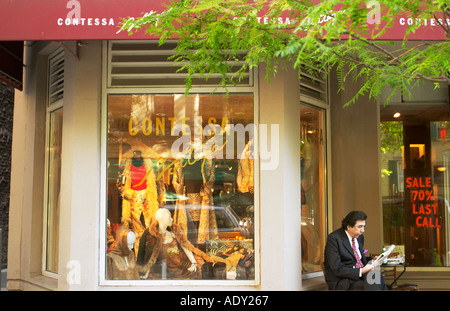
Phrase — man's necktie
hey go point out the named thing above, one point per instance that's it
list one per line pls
(359, 264)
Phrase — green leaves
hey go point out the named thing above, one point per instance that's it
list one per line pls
(391, 136)
(213, 34)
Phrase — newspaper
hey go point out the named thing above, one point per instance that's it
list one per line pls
(384, 255)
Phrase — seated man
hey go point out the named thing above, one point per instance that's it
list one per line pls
(345, 266)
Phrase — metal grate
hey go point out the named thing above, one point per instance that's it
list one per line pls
(313, 85)
(56, 78)
(146, 64)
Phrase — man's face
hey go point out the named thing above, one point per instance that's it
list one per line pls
(357, 229)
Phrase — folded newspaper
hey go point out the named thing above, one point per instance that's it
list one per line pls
(383, 256)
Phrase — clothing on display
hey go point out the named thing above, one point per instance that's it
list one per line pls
(195, 179)
(121, 260)
(201, 194)
(245, 174)
(139, 195)
(156, 250)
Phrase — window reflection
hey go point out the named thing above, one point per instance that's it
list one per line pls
(53, 190)
(414, 182)
(312, 187)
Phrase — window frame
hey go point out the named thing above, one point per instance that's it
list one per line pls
(326, 186)
(321, 103)
(51, 107)
(109, 90)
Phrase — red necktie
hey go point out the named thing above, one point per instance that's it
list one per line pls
(359, 264)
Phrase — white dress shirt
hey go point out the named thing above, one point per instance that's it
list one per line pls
(357, 248)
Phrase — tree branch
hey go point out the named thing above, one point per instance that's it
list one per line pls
(354, 61)
(446, 29)
(443, 78)
(393, 58)
(411, 49)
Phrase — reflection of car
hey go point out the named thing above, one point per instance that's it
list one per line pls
(229, 225)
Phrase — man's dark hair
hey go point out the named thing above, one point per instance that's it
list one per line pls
(352, 218)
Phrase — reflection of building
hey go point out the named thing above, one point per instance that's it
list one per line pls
(328, 162)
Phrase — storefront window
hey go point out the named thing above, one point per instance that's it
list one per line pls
(180, 187)
(53, 190)
(415, 149)
(313, 198)
(53, 152)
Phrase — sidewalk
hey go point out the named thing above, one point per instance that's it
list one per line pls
(3, 280)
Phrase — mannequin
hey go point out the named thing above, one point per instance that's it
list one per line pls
(140, 198)
(111, 242)
(131, 239)
(194, 178)
(163, 247)
(165, 220)
(244, 178)
(121, 261)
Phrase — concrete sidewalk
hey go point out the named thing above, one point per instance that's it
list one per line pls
(3, 280)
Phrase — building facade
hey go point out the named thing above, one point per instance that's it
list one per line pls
(96, 153)
(120, 180)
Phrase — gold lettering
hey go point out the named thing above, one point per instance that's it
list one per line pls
(184, 126)
(224, 125)
(172, 124)
(211, 120)
(160, 125)
(198, 128)
(131, 126)
(147, 126)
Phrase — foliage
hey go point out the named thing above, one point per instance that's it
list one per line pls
(212, 34)
(391, 133)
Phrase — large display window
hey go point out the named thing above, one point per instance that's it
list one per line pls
(415, 148)
(180, 187)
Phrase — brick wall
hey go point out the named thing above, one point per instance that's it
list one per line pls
(6, 125)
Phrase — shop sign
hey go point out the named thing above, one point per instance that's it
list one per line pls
(70, 19)
(100, 20)
(423, 206)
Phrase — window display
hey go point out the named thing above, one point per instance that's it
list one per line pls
(180, 187)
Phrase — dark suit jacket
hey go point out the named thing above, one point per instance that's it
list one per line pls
(340, 261)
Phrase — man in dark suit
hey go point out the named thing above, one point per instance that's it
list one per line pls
(345, 266)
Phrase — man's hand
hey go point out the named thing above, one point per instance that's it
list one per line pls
(367, 268)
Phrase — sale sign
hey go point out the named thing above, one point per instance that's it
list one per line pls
(423, 206)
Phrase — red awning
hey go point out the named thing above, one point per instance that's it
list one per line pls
(11, 63)
(63, 20)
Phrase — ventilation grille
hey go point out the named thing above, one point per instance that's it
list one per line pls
(146, 64)
(56, 78)
(313, 85)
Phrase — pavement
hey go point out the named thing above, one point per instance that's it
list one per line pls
(3, 280)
